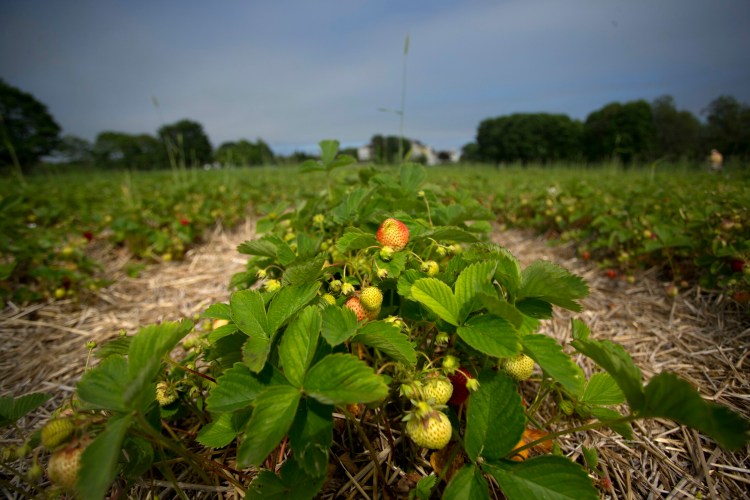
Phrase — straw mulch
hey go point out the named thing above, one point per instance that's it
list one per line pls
(702, 337)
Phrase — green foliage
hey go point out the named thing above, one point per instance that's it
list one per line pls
(293, 374)
(27, 130)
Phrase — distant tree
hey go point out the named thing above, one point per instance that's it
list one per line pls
(186, 143)
(620, 131)
(74, 149)
(529, 137)
(728, 127)
(470, 152)
(244, 153)
(26, 127)
(120, 150)
(677, 133)
(386, 148)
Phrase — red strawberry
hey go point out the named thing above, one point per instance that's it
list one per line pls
(184, 221)
(611, 273)
(355, 305)
(393, 233)
(737, 265)
(88, 235)
(460, 391)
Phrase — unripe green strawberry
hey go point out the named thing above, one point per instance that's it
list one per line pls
(63, 467)
(519, 367)
(371, 298)
(430, 267)
(272, 285)
(330, 299)
(57, 432)
(393, 233)
(432, 431)
(566, 406)
(439, 389)
(355, 305)
(166, 394)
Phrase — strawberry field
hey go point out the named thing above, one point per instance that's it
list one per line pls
(378, 340)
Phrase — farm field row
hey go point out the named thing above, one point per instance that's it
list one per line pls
(694, 227)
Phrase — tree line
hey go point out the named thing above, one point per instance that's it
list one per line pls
(632, 132)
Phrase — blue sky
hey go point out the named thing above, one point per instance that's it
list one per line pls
(293, 72)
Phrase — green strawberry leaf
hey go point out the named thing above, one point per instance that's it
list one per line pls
(496, 401)
(339, 324)
(618, 363)
(355, 239)
(473, 281)
(503, 309)
(311, 436)
(262, 247)
(490, 335)
(412, 176)
(328, 150)
(104, 387)
(668, 396)
(395, 266)
(558, 365)
(11, 409)
(438, 298)
(304, 273)
(237, 388)
(221, 332)
(549, 282)
(217, 311)
(273, 413)
(297, 346)
(147, 348)
(247, 311)
(580, 330)
(549, 477)
(341, 379)
(287, 302)
(508, 272)
(447, 233)
(405, 281)
(601, 389)
(223, 429)
(467, 484)
(388, 339)
(100, 458)
(535, 308)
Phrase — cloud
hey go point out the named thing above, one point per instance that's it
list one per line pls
(294, 72)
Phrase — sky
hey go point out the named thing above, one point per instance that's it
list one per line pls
(294, 72)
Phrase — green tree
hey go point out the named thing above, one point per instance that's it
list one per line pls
(677, 133)
(120, 150)
(728, 127)
(623, 132)
(27, 129)
(386, 148)
(187, 143)
(529, 137)
(73, 149)
(244, 153)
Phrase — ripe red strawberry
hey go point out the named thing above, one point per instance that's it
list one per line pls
(393, 233)
(371, 298)
(611, 273)
(519, 367)
(429, 428)
(63, 467)
(438, 388)
(460, 391)
(184, 221)
(88, 235)
(737, 265)
(56, 432)
(355, 305)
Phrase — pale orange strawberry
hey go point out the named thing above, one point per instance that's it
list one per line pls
(355, 305)
(393, 233)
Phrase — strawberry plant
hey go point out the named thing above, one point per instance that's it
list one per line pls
(347, 336)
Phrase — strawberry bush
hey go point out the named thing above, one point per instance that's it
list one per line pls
(414, 343)
(695, 227)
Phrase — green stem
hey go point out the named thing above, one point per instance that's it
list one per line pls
(581, 428)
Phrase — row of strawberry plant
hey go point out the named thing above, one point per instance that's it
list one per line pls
(373, 320)
(694, 227)
(52, 225)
